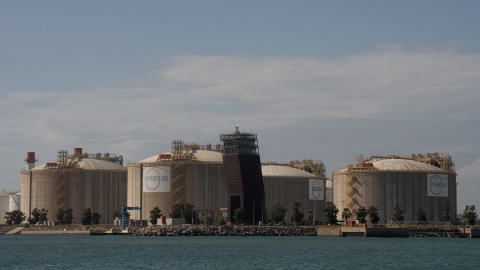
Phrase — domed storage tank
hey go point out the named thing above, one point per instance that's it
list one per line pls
(14, 202)
(155, 191)
(195, 176)
(329, 190)
(77, 182)
(285, 185)
(385, 182)
(7, 203)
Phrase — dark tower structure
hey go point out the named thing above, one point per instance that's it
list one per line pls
(243, 175)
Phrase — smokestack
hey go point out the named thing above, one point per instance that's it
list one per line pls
(77, 151)
(30, 160)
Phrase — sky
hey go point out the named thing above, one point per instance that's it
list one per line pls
(321, 80)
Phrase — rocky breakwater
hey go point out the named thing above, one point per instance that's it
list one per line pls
(224, 231)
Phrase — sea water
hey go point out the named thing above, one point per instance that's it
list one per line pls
(254, 252)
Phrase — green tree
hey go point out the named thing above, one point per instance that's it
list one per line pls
(65, 216)
(34, 215)
(297, 214)
(155, 214)
(14, 217)
(187, 212)
(346, 214)
(60, 214)
(470, 215)
(87, 216)
(221, 222)
(95, 218)
(373, 214)
(38, 216)
(398, 213)
(276, 213)
(446, 211)
(420, 215)
(309, 216)
(177, 210)
(239, 215)
(361, 214)
(43, 215)
(68, 216)
(330, 211)
(116, 214)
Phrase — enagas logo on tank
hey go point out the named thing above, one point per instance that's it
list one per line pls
(437, 185)
(156, 179)
(316, 189)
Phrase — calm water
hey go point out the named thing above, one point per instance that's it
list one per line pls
(122, 252)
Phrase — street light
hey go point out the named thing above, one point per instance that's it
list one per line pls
(253, 223)
(262, 212)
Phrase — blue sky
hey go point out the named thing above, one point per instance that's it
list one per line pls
(322, 80)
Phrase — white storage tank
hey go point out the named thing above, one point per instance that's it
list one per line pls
(195, 177)
(14, 202)
(386, 182)
(285, 185)
(77, 181)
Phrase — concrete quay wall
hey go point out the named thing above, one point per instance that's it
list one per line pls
(337, 231)
(69, 233)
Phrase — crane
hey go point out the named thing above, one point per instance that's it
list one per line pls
(124, 214)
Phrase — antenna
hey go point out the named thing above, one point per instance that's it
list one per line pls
(244, 122)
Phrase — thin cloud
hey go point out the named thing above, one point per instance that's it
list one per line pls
(468, 185)
(199, 96)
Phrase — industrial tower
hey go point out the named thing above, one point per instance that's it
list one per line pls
(243, 175)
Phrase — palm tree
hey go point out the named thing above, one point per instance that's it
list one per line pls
(346, 214)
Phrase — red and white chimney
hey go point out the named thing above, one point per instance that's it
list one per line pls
(30, 160)
(77, 151)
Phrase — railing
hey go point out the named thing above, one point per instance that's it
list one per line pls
(422, 225)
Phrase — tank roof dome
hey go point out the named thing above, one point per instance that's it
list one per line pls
(200, 155)
(405, 165)
(285, 171)
(91, 164)
(401, 165)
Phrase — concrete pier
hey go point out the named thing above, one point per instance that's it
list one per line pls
(69, 233)
(343, 231)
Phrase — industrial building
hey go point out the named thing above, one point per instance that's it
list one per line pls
(198, 175)
(9, 201)
(419, 181)
(190, 173)
(78, 181)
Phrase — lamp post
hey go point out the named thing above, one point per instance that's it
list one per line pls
(262, 212)
(253, 223)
